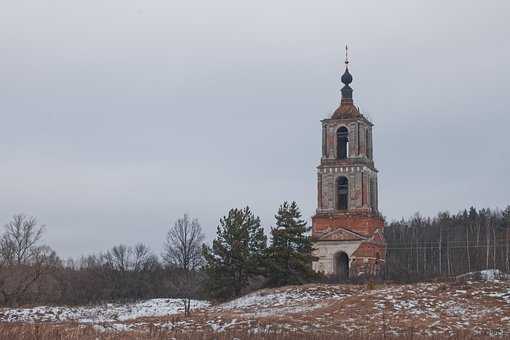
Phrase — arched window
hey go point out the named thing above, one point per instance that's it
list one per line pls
(342, 189)
(342, 142)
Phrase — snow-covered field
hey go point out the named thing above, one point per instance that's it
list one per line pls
(289, 300)
(99, 314)
(478, 303)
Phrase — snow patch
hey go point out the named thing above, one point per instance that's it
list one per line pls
(489, 275)
(99, 314)
(282, 302)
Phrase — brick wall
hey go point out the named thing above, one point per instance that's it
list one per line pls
(362, 224)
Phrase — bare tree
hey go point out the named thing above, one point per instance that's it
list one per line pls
(143, 258)
(126, 268)
(124, 258)
(118, 258)
(183, 252)
(22, 261)
(20, 238)
(183, 244)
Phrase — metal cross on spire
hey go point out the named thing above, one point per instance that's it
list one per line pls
(346, 55)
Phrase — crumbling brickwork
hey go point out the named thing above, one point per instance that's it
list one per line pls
(363, 224)
(347, 225)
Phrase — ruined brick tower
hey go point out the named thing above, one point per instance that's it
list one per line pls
(347, 226)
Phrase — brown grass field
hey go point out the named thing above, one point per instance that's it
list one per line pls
(433, 311)
(76, 331)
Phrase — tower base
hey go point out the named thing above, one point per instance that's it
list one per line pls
(348, 245)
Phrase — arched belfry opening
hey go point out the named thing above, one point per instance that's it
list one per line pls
(342, 142)
(342, 266)
(342, 189)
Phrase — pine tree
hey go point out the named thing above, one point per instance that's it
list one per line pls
(289, 259)
(236, 255)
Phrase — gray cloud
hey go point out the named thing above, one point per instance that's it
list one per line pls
(120, 116)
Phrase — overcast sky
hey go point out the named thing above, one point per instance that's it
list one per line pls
(119, 116)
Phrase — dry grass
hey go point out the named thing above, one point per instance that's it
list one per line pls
(423, 311)
(75, 331)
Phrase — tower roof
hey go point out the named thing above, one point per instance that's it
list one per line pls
(346, 108)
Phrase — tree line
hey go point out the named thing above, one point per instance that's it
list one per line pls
(239, 259)
(421, 248)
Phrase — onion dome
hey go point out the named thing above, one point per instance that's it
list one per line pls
(346, 77)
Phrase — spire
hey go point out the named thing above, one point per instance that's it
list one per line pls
(347, 108)
(346, 79)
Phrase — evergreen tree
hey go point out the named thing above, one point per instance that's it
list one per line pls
(289, 259)
(236, 254)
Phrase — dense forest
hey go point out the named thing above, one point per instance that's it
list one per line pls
(422, 248)
(241, 258)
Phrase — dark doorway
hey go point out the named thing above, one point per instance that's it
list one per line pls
(342, 266)
(342, 190)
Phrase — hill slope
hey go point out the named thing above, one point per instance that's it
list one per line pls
(477, 307)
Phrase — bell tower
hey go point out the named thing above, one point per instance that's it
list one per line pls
(347, 226)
